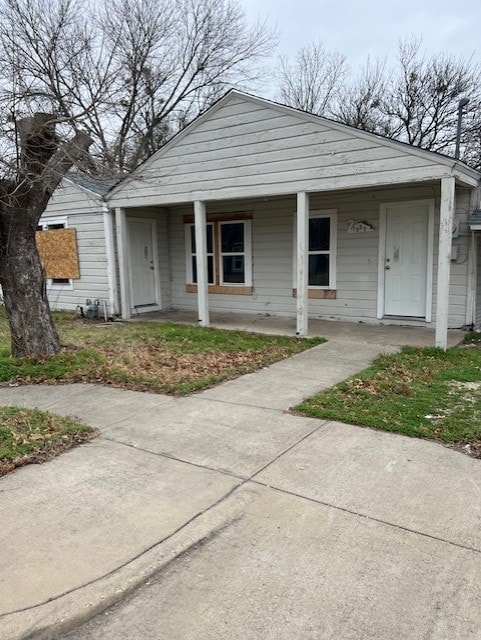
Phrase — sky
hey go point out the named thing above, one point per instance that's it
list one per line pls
(363, 28)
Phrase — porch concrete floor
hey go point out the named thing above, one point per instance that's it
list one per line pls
(382, 334)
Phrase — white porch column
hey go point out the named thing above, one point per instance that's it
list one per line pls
(108, 217)
(200, 219)
(123, 254)
(444, 260)
(302, 238)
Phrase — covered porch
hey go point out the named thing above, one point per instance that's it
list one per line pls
(360, 333)
(259, 208)
(276, 253)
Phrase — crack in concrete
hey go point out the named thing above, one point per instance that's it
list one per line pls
(243, 481)
(127, 562)
(368, 517)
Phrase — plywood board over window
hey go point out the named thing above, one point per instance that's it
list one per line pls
(58, 253)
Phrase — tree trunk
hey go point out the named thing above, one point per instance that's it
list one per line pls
(23, 284)
(44, 161)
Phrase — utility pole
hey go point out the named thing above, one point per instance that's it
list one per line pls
(461, 104)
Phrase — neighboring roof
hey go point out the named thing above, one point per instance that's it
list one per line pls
(98, 186)
(457, 166)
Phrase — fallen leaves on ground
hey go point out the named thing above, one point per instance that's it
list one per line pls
(154, 366)
(47, 452)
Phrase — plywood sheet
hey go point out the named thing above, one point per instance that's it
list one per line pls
(58, 252)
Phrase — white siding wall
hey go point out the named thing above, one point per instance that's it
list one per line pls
(246, 148)
(163, 227)
(357, 257)
(83, 213)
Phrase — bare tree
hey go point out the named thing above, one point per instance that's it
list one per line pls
(134, 71)
(361, 103)
(172, 59)
(312, 81)
(423, 100)
(417, 101)
(42, 163)
(33, 157)
(111, 81)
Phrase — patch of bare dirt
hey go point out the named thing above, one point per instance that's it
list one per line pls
(472, 449)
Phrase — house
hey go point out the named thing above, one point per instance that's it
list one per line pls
(76, 245)
(261, 208)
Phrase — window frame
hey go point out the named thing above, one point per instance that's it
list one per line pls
(247, 263)
(190, 254)
(47, 224)
(219, 286)
(332, 252)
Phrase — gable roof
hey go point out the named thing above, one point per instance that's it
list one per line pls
(453, 167)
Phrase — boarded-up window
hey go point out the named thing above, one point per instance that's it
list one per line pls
(58, 253)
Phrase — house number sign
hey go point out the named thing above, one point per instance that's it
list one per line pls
(360, 226)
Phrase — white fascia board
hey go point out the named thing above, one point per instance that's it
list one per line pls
(158, 199)
(467, 178)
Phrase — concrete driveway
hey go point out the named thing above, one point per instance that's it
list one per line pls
(222, 516)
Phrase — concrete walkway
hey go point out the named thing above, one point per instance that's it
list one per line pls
(309, 529)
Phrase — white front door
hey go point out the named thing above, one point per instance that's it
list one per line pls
(142, 266)
(406, 259)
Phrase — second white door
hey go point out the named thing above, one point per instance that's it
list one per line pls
(406, 256)
(142, 267)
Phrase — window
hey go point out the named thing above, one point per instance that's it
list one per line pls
(228, 256)
(210, 254)
(321, 253)
(54, 224)
(232, 253)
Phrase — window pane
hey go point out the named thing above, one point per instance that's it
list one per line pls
(210, 242)
(319, 271)
(319, 233)
(233, 269)
(232, 237)
(210, 269)
(210, 239)
(192, 239)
